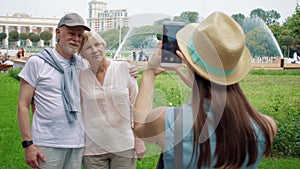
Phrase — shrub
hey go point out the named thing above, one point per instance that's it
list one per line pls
(14, 72)
(287, 115)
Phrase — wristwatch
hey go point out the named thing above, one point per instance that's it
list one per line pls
(26, 144)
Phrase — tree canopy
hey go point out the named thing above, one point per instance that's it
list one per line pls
(34, 38)
(146, 35)
(262, 28)
(13, 36)
(287, 35)
(46, 37)
(264, 34)
(3, 35)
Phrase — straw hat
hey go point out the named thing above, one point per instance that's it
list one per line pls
(216, 49)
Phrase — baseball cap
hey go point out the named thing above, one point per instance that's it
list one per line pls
(72, 19)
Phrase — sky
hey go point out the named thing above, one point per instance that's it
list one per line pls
(57, 8)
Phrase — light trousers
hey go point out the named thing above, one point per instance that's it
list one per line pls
(61, 158)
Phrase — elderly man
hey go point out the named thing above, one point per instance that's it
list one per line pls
(56, 137)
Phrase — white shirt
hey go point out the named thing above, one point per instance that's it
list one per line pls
(50, 126)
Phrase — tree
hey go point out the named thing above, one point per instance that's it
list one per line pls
(112, 37)
(288, 41)
(269, 17)
(276, 30)
(3, 35)
(251, 24)
(291, 30)
(187, 17)
(13, 36)
(160, 22)
(46, 37)
(23, 37)
(144, 36)
(292, 24)
(239, 18)
(34, 38)
(272, 17)
(258, 13)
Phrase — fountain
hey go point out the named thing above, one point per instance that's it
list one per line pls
(117, 54)
(148, 42)
(260, 39)
(275, 43)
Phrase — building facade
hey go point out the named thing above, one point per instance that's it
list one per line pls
(102, 19)
(24, 23)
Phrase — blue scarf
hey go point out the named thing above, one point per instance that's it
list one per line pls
(69, 83)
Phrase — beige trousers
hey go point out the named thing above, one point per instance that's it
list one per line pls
(120, 160)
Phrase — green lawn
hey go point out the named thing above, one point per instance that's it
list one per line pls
(276, 95)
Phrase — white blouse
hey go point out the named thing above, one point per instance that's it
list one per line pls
(107, 110)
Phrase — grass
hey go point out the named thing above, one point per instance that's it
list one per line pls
(280, 163)
(266, 91)
(10, 139)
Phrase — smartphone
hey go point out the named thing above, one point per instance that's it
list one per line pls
(169, 44)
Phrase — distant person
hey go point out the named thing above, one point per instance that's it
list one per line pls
(134, 55)
(19, 53)
(141, 54)
(3, 58)
(22, 52)
(296, 56)
(108, 94)
(220, 128)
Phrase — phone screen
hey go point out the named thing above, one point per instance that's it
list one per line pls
(170, 45)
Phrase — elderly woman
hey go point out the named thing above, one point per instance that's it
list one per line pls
(108, 94)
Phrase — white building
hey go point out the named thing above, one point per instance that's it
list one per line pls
(24, 23)
(102, 19)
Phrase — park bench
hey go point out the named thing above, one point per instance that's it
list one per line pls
(5, 67)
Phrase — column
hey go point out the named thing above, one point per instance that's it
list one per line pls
(30, 30)
(19, 30)
(41, 41)
(5, 45)
(53, 37)
(27, 43)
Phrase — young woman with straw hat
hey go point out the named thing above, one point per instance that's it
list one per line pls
(220, 128)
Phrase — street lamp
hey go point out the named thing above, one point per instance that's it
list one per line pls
(120, 31)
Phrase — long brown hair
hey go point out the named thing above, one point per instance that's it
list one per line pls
(235, 135)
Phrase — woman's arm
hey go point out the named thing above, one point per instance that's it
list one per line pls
(149, 122)
(139, 146)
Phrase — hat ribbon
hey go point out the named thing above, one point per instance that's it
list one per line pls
(210, 69)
